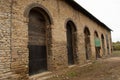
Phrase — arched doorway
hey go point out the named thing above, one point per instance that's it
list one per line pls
(107, 42)
(87, 43)
(37, 42)
(103, 44)
(71, 42)
(97, 44)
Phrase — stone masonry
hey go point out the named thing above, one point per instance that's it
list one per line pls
(57, 14)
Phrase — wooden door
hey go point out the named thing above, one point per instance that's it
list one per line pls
(70, 45)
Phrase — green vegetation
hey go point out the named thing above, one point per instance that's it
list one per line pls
(115, 53)
(72, 74)
(116, 45)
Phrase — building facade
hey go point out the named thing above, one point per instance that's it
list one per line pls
(48, 35)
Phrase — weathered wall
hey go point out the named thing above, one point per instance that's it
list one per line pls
(5, 32)
(60, 13)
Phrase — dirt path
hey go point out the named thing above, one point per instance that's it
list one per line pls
(113, 59)
(103, 69)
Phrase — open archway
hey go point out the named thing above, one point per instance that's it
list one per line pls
(97, 45)
(96, 34)
(38, 33)
(87, 43)
(71, 42)
(107, 43)
(103, 44)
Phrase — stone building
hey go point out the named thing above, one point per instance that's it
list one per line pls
(48, 35)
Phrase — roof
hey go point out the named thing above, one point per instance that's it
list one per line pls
(79, 8)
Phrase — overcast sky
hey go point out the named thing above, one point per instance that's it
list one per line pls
(107, 11)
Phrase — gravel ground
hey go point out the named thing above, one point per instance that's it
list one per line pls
(103, 69)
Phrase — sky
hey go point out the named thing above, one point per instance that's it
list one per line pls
(107, 11)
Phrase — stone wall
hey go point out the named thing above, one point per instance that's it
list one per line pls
(14, 53)
(5, 32)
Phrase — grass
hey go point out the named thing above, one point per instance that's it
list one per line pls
(115, 53)
(72, 74)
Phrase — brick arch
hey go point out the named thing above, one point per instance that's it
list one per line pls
(103, 43)
(45, 11)
(39, 38)
(102, 36)
(86, 29)
(87, 43)
(72, 23)
(71, 35)
(97, 44)
(96, 34)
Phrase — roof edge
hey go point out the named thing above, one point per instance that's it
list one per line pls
(79, 8)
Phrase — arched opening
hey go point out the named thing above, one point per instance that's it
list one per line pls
(37, 43)
(96, 34)
(87, 43)
(97, 44)
(107, 41)
(103, 44)
(71, 42)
